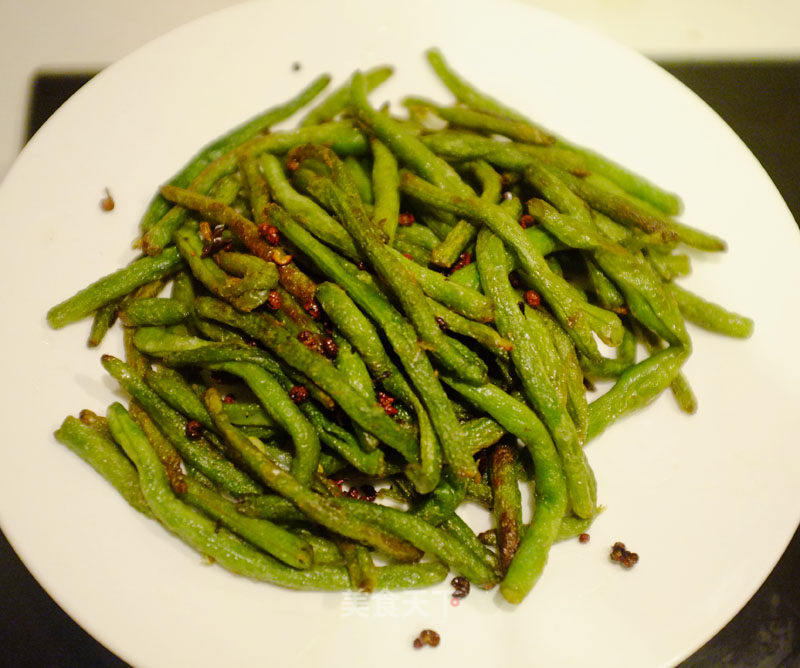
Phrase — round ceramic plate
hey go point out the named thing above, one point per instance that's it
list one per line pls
(709, 501)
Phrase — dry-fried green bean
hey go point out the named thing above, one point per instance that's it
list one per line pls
(710, 316)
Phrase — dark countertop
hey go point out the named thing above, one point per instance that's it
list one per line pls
(761, 102)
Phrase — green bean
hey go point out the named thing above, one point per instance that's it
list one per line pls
(576, 315)
(442, 502)
(326, 552)
(153, 311)
(465, 92)
(103, 320)
(264, 329)
(668, 266)
(270, 507)
(424, 536)
(410, 576)
(484, 122)
(486, 335)
(545, 347)
(364, 337)
(359, 564)
(539, 238)
(612, 368)
(383, 261)
(256, 275)
(710, 316)
(420, 256)
(177, 393)
(202, 533)
(112, 287)
(462, 146)
(482, 432)
(360, 178)
(417, 234)
(462, 532)
(507, 506)
(439, 224)
(577, 405)
(461, 299)
(265, 535)
(241, 413)
(323, 510)
(680, 388)
(633, 239)
(338, 100)
(405, 146)
(643, 290)
(342, 137)
(636, 387)
(95, 421)
(305, 211)
(575, 226)
(572, 527)
(550, 489)
(196, 452)
(105, 457)
(255, 126)
(210, 274)
(475, 99)
(607, 294)
(290, 276)
(353, 367)
(602, 195)
(532, 346)
(464, 232)
(284, 412)
(385, 185)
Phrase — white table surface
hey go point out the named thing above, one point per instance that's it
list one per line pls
(88, 34)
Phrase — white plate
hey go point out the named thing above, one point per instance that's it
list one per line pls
(709, 501)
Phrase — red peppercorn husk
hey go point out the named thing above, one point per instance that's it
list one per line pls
(292, 164)
(460, 586)
(269, 233)
(463, 260)
(532, 298)
(329, 348)
(274, 300)
(429, 637)
(194, 429)
(107, 203)
(405, 219)
(313, 309)
(442, 324)
(583, 538)
(229, 399)
(622, 555)
(408, 256)
(526, 220)
(298, 394)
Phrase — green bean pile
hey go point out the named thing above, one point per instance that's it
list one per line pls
(411, 304)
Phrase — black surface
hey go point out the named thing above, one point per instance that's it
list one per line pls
(761, 102)
(49, 90)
